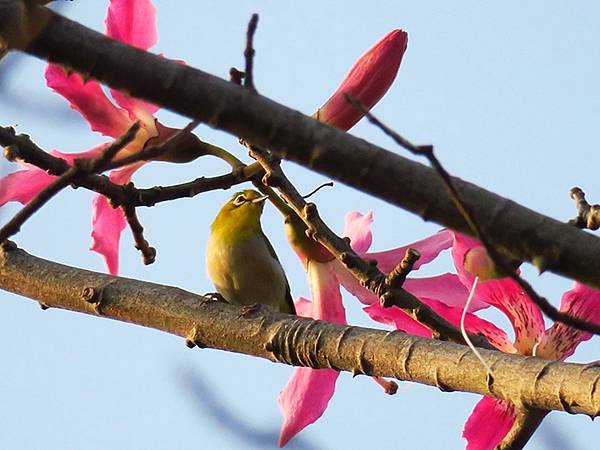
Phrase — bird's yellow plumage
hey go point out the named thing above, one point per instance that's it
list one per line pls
(240, 260)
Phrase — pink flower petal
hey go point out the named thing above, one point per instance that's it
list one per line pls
(561, 340)
(460, 246)
(358, 229)
(325, 290)
(304, 399)
(353, 286)
(23, 185)
(446, 288)
(303, 307)
(368, 80)
(398, 319)
(489, 422)
(429, 248)
(525, 316)
(109, 222)
(132, 22)
(70, 157)
(88, 99)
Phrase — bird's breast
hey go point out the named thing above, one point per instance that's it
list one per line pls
(245, 272)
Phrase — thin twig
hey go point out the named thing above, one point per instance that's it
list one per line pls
(496, 257)
(154, 151)
(249, 53)
(20, 147)
(148, 252)
(397, 276)
(103, 160)
(588, 216)
(80, 166)
(317, 189)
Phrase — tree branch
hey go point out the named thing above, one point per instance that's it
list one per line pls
(505, 267)
(82, 166)
(518, 231)
(20, 147)
(527, 381)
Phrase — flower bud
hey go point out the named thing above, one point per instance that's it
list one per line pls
(367, 81)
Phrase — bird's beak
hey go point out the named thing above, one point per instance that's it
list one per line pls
(260, 199)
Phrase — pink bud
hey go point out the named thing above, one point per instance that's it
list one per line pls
(367, 81)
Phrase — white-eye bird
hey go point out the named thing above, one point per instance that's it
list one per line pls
(240, 260)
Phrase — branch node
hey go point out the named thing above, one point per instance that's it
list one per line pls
(387, 300)
(271, 179)
(310, 211)
(11, 153)
(236, 76)
(489, 380)
(8, 246)
(89, 294)
(588, 216)
(193, 339)
(270, 346)
(396, 277)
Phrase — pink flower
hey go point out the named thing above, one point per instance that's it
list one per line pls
(134, 22)
(368, 80)
(492, 419)
(306, 395)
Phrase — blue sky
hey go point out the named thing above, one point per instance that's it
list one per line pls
(506, 92)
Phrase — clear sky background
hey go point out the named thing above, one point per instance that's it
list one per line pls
(506, 91)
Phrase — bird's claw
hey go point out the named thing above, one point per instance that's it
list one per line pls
(214, 297)
(250, 310)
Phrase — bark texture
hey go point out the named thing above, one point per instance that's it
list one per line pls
(526, 381)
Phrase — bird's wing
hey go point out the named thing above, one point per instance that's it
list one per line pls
(288, 293)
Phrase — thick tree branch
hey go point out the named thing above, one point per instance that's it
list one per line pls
(505, 267)
(514, 229)
(526, 381)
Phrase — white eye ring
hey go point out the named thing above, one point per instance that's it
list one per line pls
(239, 200)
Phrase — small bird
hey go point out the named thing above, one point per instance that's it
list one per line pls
(240, 260)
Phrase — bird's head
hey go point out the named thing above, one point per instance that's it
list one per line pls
(241, 213)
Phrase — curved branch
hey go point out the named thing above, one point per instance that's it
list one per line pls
(526, 381)
(513, 229)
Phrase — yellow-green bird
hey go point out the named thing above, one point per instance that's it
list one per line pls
(240, 260)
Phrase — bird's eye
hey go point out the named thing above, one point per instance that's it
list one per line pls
(239, 200)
